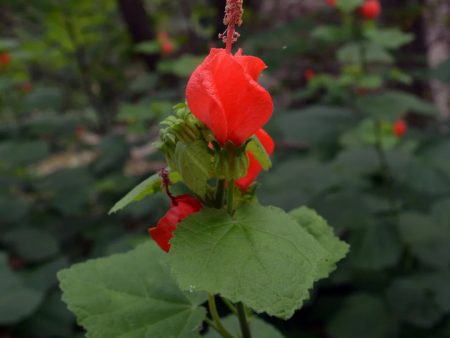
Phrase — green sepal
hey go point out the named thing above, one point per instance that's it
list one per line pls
(195, 164)
(231, 162)
(146, 188)
(259, 152)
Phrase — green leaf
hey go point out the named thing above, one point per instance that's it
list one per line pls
(17, 154)
(348, 5)
(391, 38)
(194, 163)
(392, 104)
(428, 239)
(131, 295)
(363, 315)
(258, 327)
(33, 245)
(315, 124)
(260, 154)
(148, 47)
(351, 54)
(260, 256)
(182, 67)
(146, 188)
(375, 247)
(17, 300)
(412, 303)
(324, 234)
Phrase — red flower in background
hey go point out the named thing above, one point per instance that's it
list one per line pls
(309, 74)
(331, 3)
(254, 168)
(224, 94)
(400, 128)
(5, 59)
(371, 9)
(26, 87)
(166, 44)
(181, 207)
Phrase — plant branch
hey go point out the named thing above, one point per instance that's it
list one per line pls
(215, 315)
(243, 322)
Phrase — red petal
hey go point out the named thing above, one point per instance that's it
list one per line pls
(182, 207)
(253, 66)
(221, 94)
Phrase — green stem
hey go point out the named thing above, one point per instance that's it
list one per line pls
(385, 170)
(215, 315)
(220, 194)
(243, 322)
(230, 203)
(230, 306)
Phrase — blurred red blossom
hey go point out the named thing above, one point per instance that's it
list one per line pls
(400, 128)
(371, 9)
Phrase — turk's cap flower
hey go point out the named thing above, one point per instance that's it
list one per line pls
(224, 94)
(181, 207)
(370, 10)
(254, 167)
(400, 128)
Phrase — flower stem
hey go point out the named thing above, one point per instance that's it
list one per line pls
(230, 306)
(243, 322)
(230, 202)
(215, 315)
(220, 194)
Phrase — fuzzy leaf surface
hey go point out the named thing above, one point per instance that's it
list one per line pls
(131, 295)
(260, 256)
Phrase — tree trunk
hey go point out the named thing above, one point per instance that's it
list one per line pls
(139, 26)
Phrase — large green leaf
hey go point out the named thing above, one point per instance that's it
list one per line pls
(17, 301)
(260, 256)
(324, 234)
(146, 188)
(258, 327)
(131, 295)
(195, 164)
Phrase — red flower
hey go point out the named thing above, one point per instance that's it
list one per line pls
(181, 207)
(400, 128)
(26, 87)
(166, 44)
(331, 3)
(224, 94)
(370, 9)
(5, 59)
(254, 167)
(310, 74)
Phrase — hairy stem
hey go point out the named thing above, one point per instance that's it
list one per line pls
(243, 322)
(216, 318)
